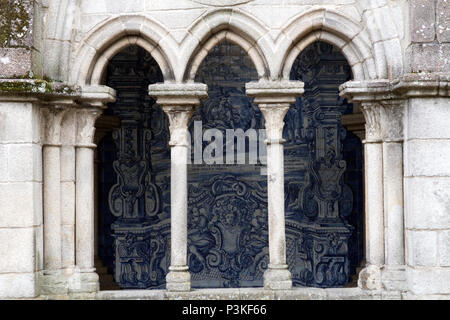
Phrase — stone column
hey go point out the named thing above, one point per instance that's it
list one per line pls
(392, 126)
(93, 99)
(52, 281)
(68, 136)
(84, 202)
(274, 100)
(370, 277)
(178, 102)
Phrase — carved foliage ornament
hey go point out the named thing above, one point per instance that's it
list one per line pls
(51, 123)
(372, 115)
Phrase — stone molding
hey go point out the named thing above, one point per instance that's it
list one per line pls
(36, 90)
(383, 101)
(404, 87)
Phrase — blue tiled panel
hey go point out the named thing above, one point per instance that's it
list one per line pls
(227, 204)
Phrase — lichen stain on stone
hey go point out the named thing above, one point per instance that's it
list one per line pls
(14, 21)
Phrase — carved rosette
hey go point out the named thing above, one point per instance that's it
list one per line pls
(86, 118)
(51, 118)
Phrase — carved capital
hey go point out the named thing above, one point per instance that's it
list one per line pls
(392, 113)
(274, 99)
(372, 115)
(51, 118)
(69, 127)
(274, 115)
(179, 101)
(86, 118)
(179, 117)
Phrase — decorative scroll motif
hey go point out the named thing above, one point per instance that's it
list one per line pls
(227, 204)
(319, 198)
(228, 239)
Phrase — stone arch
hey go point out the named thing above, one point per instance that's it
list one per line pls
(114, 35)
(334, 28)
(253, 52)
(226, 25)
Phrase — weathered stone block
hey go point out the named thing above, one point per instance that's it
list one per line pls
(16, 27)
(443, 20)
(428, 118)
(15, 62)
(423, 281)
(17, 250)
(422, 17)
(427, 203)
(18, 285)
(427, 158)
(20, 204)
(3, 163)
(428, 57)
(421, 248)
(444, 248)
(24, 162)
(27, 114)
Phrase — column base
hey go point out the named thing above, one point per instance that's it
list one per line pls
(178, 279)
(277, 277)
(394, 278)
(84, 281)
(370, 278)
(53, 282)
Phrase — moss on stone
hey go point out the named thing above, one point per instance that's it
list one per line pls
(37, 86)
(14, 21)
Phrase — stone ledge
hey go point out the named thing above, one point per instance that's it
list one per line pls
(49, 91)
(33, 89)
(244, 294)
(406, 86)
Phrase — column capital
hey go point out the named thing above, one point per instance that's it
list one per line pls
(93, 101)
(274, 92)
(178, 100)
(274, 99)
(51, 119)
(392, 114)
(372, 115)
(86, 117)
(382, 106)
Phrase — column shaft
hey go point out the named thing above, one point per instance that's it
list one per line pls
(275, 194)
(52, 207)
(373, 155)
(178, 192)
(85, 209)
(393, 199)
